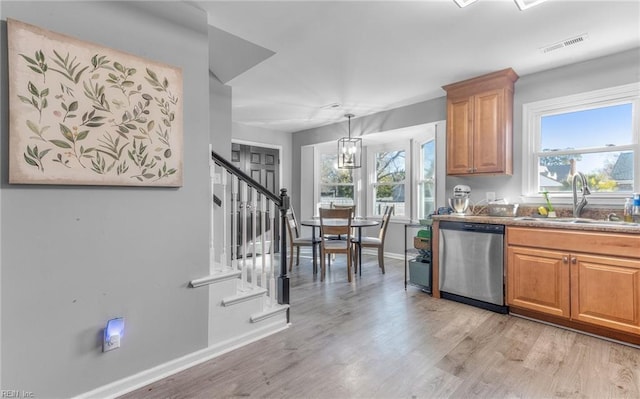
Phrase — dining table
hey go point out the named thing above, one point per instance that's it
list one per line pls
(357, 223)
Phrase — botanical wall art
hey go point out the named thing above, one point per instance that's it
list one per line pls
(85, 114)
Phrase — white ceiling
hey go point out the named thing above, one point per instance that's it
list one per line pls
(369, 56)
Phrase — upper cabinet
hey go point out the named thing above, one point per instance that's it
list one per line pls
(479, 124)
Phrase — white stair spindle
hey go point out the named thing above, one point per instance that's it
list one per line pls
(263, 229)
(234, 222)
(243, 200)
(224, 256)
(254, 237)
(272, 282)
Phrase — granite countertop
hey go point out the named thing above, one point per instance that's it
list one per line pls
(565, 223)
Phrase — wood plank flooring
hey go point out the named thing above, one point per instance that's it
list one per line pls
(373, 339)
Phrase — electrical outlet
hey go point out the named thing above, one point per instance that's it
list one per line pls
(111, 343)
(491, 196)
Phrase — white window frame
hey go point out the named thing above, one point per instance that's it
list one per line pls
(372, 150)
(418, 179)
(532, 114)
(331, 149)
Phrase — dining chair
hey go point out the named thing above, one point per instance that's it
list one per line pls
(296, 240)
(335, 222)
(374, 242)
(341, 206)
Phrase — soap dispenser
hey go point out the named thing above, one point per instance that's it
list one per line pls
(628, 210)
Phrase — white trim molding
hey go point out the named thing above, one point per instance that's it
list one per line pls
(532, 114)
(146, 377)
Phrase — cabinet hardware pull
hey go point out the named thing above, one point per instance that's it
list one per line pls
(574, 260)
(565, 259)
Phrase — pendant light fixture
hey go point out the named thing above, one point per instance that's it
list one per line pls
(349, 150)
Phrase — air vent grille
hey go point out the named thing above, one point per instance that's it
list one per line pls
(565, 43)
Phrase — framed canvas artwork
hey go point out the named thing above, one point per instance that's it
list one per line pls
(83, 114)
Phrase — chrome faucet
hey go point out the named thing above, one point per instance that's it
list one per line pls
(577, 206)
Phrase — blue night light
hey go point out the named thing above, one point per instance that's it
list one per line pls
(112, 334)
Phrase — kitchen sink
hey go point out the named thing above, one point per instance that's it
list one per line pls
(578, 221)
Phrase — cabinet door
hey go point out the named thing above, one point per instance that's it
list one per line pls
(489, 133)
(538, 280)
(459, 136)
(606, 291)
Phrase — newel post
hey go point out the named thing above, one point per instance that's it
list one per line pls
(283, 279)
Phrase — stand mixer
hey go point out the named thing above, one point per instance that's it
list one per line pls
(460, 201)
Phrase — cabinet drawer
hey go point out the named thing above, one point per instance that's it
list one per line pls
(614, 244)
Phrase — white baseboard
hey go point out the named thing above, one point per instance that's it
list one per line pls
(131, 383)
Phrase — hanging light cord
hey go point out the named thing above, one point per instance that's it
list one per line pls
(349, 116)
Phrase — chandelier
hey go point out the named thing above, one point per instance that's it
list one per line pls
(349, 150)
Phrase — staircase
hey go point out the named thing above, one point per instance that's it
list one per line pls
(248, 283)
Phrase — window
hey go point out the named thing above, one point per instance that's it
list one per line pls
(336, 185)
(427, 179)
(388, 181)
(595, 133)
(398, 169)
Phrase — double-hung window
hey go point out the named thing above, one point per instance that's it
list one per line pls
(336, 185)
(595, 133)
(426, 178)
(389, 180)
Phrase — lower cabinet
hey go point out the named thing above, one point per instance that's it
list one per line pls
(582, 283)
(606, 291)
(538, 280)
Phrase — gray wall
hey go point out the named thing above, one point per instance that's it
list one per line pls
(613, 70)
(220, 116)
(416, 114)
(411, 115)
(73, 257)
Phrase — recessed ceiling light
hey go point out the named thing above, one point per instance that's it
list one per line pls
(464, 3)
(524, 4)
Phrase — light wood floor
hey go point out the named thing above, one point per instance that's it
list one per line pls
(373, 339)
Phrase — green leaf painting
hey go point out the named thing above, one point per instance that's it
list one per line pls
(85, 114)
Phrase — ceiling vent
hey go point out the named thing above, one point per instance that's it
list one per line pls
(565, 43)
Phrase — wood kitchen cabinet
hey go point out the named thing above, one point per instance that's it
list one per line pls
(587, 278)
(479, 124)
(606, 291)
(538, 280)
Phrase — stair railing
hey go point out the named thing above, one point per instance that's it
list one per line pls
(249, 218)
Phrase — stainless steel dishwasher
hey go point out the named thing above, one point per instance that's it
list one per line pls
(471, 264)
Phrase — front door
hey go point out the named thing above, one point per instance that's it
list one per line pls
(263, 165)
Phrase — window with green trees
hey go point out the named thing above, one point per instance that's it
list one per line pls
(592, 141)
(595, 133)
(390, 178)
(336, 185)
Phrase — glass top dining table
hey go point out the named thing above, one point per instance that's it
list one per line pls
(357, 223)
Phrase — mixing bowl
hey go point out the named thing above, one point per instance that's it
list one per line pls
(459, 204)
